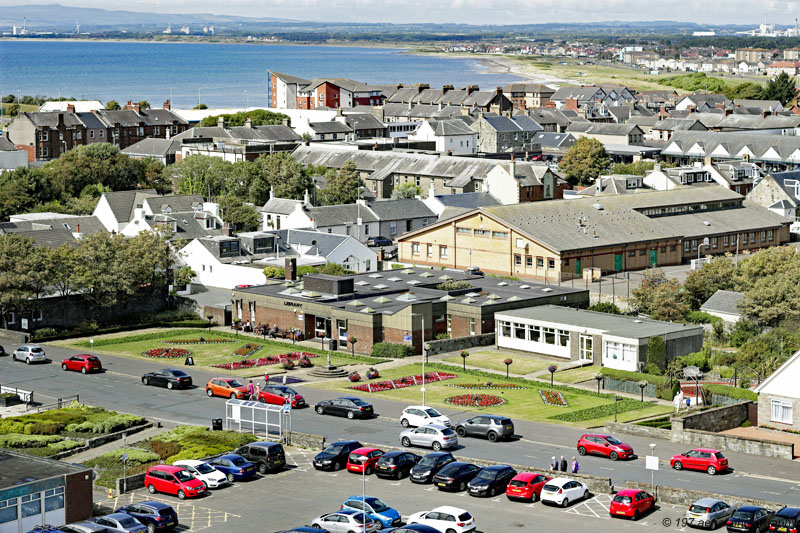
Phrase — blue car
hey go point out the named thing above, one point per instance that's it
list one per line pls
(155, 515)
(375, 509)
(304, 529)
(235, 467)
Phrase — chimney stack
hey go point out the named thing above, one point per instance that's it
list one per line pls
(71, 108)
(77, 228)
(472, 88)
(285, 122)
(498, 90)
(226, 229)
(271, 192)
(446, 88)
(248, 123)
(61, 119)
(167, 105)
(765, 113)
(136, 108)
(571, 103)
(221, 123)
(290, 268)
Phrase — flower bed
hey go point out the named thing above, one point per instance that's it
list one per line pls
(247, 350)
(200, 340)
(551, 397)
(264, 361)
(166, 353)
(405, 381)
(488, 385)
(475, 400)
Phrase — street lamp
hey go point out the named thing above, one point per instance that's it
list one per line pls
(363, 459)
(616, 399)
(464, 355)
(507, 362)
(423, 351)
(642, 384)
(599, 377)
(653, 470)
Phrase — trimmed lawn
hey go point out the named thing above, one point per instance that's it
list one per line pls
(523, 404)
(576, 375)
(523, 364)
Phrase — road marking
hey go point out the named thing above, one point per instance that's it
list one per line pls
(770, 492)
(397, 484)
(531, 456)
(605, 468)
(546, 443)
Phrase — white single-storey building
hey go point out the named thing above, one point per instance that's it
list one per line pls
(725, 305)
(779, 397)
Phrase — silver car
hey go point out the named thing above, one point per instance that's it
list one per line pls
(83, 527)
(708, 513)
(345, 521)
(121, 522)
(433, 436)
(30, 354)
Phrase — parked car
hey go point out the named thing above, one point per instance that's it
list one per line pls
(210, 476)
(349, 406)
(170, 378)
(277, 395)
(121, 522)
(235, 467)
(227, 388)
(412, 528)
(379, 241)
(445, 518)
(267, 456)
(562, 491)
(428, 466)
(708, 513)
(526, 486)
(749, 518)
(491, 480)
(396, 464)
(30, 354)
(173, 480)
(303, 529)
(420, 415)
(434, 436)
(785, 520)
(455, 476)
(356, 463)
(375, 509)
(492, 427)
(712, 461)
(345, 521)
(82, 363)
(334, 457)
(631, 503)
(155, 516)
(83, 527)
(605, 445)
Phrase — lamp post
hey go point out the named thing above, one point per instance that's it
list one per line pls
(552, 369)
(91, 343)
(616, 399)
(423, 352)
(652, 470)
(464, 355)
(363, 459)
(599, 377)
(209, 317)
(642, 384)
(507, 362)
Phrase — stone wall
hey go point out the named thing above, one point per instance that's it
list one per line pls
(715, 419)
(684, 498)
(99, 441)
(306, 440)
(460, 343)
(762, 447)
(130, 483)
(639, 431)
(12, 337)
(631, 387)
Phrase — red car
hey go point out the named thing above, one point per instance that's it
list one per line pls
(354, 460)
(82, 363)
(173, 480)
(278, 394)
(526, 486)
(604, 445)
(712, 461)
(631, 503)
(227, 388)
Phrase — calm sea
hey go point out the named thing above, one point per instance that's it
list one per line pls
(219, 75)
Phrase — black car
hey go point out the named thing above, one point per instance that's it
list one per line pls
(267, 456)
(455, 476)
(286, 392)
(750, 518)
(348, 406)
(428, 466)
(785, 520)
(379, 241)
(491, 480)
(169, 378)
(154, 515)
(397, 464)
(492, 427)
(334, 457)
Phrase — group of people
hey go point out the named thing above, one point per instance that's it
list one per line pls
(561, 465)
(264, 329)
(253, 389)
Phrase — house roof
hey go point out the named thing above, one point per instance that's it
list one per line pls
(333, 126)
(123, 117)
(159, 116)
(122, 203)
(88, 224)
(767, 382)
(403, 95)
(339, 215)
(281, 206)
(454, 126)
(479, 98)
(326, 243)
(502, 124)
(535, 88)
(764, 147)
(188, 226)
(286, 78)
(400, 209)
(153, 146)
(91, 121)
(526, 123)
(364, 121)
(6, 145)
(266, 133)
(177, 203)
(582, 93)
(674, 124)
(81, 106)
(50, 119)
(468, 200)
(553, 140)
(600, 128)
(52, 238)
(724, 302)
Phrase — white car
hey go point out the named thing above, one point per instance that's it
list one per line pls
(210, 476)
(445, 519)
(30, 354)
(420, 415)
(562, 491)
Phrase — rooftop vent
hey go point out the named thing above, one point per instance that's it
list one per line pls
(597, 206)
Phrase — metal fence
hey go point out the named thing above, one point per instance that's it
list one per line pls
(263, 419)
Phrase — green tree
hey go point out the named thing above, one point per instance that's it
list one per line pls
(241, 180)
(659, 297)
(16, 274)
(144, 104)
(21, 189)
(606, 307)
(406, 190)
(765, 264)
(700, 285)
(657, 352)
(198, 174)
(333, 269)
(258, 117)
(748, 91)
(200, 106)
(112, 105)
(12, 110)
(91, 164)
(584, 161)
(241, 216)
(637, 168)
(184, 275)
(285, 174)
(152, 175)
(62, 268)
(342, 186)
(773, 299)
(768, 350)
(782, 88)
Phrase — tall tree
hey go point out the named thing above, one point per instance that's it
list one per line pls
(700, 285)
(199, 174)
(406, 190)
(21, 189)
(17, 285)
(285, 174)
(659, 297)
(584, 161)
(62, 268)
(782, 88)
(341, 186)
(91, 164)
(241, 216)
(112, 105)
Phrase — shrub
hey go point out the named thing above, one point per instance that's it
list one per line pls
(730, 392)
(198, 442)
(657, 352)
(442, 336)
(625, 375)
(392, 350)
(454, 285)
(653, 369)
(165, 449)
(83, 427)
(699, 359)
(606, 307)
(746, 424)
(43, 428)
(743, 331)
(16, 440)
(45, 333)
(601, 411)
(701, 317)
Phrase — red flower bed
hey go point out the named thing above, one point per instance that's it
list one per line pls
(405, 381)
(200, 340)
(476, 386)
(551, 397)
(166, 352)
(264, 361)
(475, 400)
(248, 349)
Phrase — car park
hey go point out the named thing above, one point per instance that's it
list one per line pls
(710, 460)
(235, 467)
(382, 514)
(170, 378)
(420, 415)
(210, 476)
(563, 491)
(428, 466)
(278, 394)
(82, 363)
(173, 480)
(604, 445)
(120, 522)
(396, 464)
(83, 527)
(348, 406)
(749, 518)
(357, 464)
(526, 486)
(708, 513)
(227, 388)
(30, 354)
(786, 520)
(334, 457)
(455, 476)
(491, 480)
(445, 519)
(433, 436)
(345, 521)
(155, 516)
(631, 503)
(492, 427)
(267, 456)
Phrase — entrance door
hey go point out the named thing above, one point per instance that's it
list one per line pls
(586, 348)
(341, 327)
(578, 270)
(322, 327)
(653, 257)
(617, 262)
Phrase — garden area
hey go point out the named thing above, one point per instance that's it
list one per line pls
(522, 364)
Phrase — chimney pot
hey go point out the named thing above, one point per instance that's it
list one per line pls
(167, 105)
(71, 108)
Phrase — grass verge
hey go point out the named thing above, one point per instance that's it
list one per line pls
(523, 364)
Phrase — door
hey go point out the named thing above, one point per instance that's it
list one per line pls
(418, 437)
(617, 262)
(341, 326)
(578, 270)
(586, 346)
(653, 257)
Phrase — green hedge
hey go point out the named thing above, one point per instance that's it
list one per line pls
(75, 333)
(701, 317)
(662, 422)
(731, 392)
(194, 442)
(393, 350)
(16, 440)
(601, 411)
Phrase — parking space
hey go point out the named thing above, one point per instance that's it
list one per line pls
(596, 507)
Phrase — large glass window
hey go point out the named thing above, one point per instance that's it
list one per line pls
(54, 499)
(549, 335)
(781, 411)
(563, 337)
(505, 329)
(8, 510)
(534, 333)
(31, 505)
(519, 331)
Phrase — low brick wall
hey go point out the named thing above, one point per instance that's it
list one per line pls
(307, 440)
(639, 431)
(715, 419)
(684, 497)
(99, 441)
(762, 447)
(459, 343)
(13, 337)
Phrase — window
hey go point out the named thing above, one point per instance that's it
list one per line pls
(520, 243)
(430, 250)
(505, 329)
(481, 233)
(366, 229)
(534, 333)
(500, 235)
(663, 249)
(631, 253)
(781, 411)
(686, 247)
(642, 252)
(517, 260)
(8, 511)
(91, 134)
(549, 335)
(725, 239)
(763, 236)
(229, 247)
(45, 135)
(672, 247)
(60, 135)
(417, 181)
(443, 252)
(744, 238)
(540, 262)
(752, 237)
(78, 135)
(31, 505)
(551, 263)
(463, 230)
(528, 261)
(714, 242)
(140, 131)
(369, 265)
(54, 499)
(563, 338)
(771, 235)
(519, 331)
(392, 228)
(156, 130)
(415, 248)
(472, 326)
(450, 324)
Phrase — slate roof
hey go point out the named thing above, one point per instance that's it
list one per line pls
(549, 116)
(281, 206)
(91, 121)
(479, 98)
(188, 227)
(267, 133)
(6, 145)
(153, 146)
(526, 123)
(122, 203)
(643, 120)
(785, 147)
(613, 185)
(332, 126)
(707, 98)
(453, 97)
(403, 95)
(577, 93)
(553, 140)
(536, 88)
(600, 128)
(159, 116)
(52, 238)
(326, 242)
(502, 124)
(340, 215)
(400, 209)
(177, 203)
(787, 181)
(211, 132)
(49, 119)
(724, 302)
(290, 79)
(123, 117)
(364, 121)
(468, 200)
(675, 124)
(761, 104)
(88, 224)
(454, 126)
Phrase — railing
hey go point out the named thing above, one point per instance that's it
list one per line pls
(24, 395)
(58, 404)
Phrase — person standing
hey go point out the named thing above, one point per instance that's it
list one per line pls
(250, 389)
(575, 466)
(266, 378)
(688, 402)
(554, 464)
(563, 464)
(678, 400)
(257, 391)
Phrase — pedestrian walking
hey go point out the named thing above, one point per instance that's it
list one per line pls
(563, 464)
(688, 402)
(678, 400)
(250, 389)
(266, 378)
(575, 466)
(257, 391)
(554, 463)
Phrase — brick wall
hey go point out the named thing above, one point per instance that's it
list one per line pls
(78, 504)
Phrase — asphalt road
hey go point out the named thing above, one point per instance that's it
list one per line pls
(119, 388)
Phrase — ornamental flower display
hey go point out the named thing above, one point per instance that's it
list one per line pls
(551, 397)
(304, 362)
(247, 350)
(167, 353)
(264, 361)
(488, 385)
(372, 373)
(354, 376)
(475, 400)
(200, 340)
(405, 381)
(288, 364)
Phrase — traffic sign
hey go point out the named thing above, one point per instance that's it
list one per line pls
(407, 337)
(651, 462)
(124, 457)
